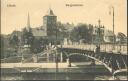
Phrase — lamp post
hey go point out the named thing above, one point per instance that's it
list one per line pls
(113, 29)
(113, 20)
(99, 33)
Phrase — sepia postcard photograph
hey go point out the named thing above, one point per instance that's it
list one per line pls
(63, 40)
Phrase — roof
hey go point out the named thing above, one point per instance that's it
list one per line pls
(50, 12)
(39, 32)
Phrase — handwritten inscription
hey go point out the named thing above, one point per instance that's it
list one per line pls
(74, 5)
(11, 5)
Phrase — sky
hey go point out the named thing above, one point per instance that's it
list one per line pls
(15, 17)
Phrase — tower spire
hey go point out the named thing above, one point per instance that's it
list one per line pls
(28, 22)
(50, 12)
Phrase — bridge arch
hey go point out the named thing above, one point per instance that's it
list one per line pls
(115, 62)
(78, 57)
(91, 57)
(72, 54)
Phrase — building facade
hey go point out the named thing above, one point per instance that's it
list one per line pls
(97, 35)
(108, 36)
(49, 22)
(48, 29)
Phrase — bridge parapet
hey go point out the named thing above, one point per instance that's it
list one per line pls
(104, 48)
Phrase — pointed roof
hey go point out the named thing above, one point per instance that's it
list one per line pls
(50, 12)
(28, 21)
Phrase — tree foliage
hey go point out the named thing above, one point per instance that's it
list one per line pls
(27, 37)
(1, 46)
(81, 31)
(14, 41)
(62, 31)
(37, 45)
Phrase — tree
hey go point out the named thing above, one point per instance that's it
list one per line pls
(2, 46)
(81, 31)
(74, 35)
(14, 41)
(27, 37)
(59, 33)
(62, 31)
(36, 47)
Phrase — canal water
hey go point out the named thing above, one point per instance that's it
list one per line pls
(53, 76)
(84, 72)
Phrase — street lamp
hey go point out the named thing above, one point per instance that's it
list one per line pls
(112, 7)
(99, 33)
(113, 14)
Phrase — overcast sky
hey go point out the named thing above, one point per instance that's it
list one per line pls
(92, 10)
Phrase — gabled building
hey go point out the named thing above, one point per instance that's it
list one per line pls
(97, 34)
(109, 36)
(48, 29)
(38, 32)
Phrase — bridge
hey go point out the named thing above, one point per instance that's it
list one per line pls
(115, 60)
